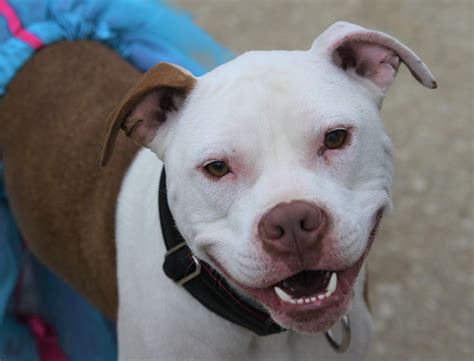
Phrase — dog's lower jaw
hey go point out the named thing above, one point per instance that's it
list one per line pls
(161, 321)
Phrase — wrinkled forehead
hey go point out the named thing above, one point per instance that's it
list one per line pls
(273, 92)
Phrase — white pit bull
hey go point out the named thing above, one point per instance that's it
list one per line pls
(278, 171)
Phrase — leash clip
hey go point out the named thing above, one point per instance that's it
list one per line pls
(342, 346)
(197, 264)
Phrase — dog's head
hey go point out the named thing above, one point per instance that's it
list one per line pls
(278, 166)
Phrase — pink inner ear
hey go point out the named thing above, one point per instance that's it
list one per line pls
(371, 61)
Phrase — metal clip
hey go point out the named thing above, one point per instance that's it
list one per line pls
(190, 276)
(345, 338)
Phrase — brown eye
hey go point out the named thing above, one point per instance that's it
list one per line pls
(335, 139)
(217, 168)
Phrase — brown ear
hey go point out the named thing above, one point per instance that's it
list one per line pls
(147, 104)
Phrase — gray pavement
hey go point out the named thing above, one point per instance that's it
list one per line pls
(422, 265)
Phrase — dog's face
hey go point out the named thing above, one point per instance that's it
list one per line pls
(279, 169)
(277, 173)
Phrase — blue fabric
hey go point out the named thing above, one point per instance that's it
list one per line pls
(144, 33)
(84, 334)
(16, 343)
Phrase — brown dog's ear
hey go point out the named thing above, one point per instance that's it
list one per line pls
(370, 54)
(147, 104)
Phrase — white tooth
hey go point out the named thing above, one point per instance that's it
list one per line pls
(307, 300)
(293, 302)
(313, 299)
(332, 284)
(300, 301)
(282, 294)
(320, 297)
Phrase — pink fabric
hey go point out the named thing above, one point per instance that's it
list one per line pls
(46, 339)
(15, 27)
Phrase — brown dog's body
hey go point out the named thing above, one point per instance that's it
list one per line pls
(53, 121)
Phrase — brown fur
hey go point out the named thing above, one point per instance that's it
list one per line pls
(53, 123)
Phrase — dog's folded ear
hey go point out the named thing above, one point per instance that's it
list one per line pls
(147, 105)
(370, 54)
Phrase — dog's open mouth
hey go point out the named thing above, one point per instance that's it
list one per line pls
(307, 287)
(309, 301)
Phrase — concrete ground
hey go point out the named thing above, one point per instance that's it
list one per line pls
(422, 283)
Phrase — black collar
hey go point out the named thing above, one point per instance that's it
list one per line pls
(203, 282)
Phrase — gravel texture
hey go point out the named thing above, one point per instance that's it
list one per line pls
(422, 265)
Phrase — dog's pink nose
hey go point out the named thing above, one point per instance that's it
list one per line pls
(292, 227)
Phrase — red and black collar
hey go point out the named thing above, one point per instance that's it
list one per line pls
(203, 282)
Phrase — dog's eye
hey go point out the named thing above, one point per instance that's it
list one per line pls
(217, 168)
(335, 139)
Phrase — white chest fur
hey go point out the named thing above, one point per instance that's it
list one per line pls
(160, 321)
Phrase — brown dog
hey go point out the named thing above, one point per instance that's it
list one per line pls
(63, 200)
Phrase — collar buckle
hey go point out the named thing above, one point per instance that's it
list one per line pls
(197, 264)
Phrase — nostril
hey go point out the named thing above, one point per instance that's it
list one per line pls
(306, 225)
(311, 220)
(274, 232)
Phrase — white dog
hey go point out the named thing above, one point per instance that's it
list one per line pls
(278, 172)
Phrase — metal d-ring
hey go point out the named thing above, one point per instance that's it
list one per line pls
(342, 346)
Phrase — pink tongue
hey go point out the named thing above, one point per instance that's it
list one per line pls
(306, 283)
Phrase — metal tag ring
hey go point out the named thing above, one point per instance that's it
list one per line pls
(342, 346)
